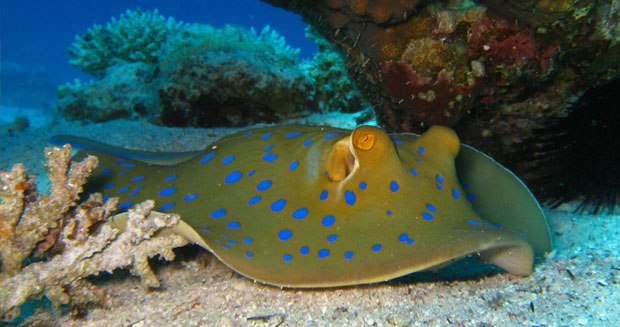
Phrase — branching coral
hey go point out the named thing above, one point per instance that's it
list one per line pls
(135, 36)
(85, 246)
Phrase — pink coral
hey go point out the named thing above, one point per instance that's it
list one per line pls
(420, 99)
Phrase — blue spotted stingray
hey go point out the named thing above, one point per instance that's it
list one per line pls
(301, 206)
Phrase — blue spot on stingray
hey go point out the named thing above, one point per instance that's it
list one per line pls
(247, 134)
(270, 157)
(395, 137)
(300, 213)
(205, 230)
(293, 165)
(323, 253)
(233, 177)
(170, 178)
(348, 255)
(123, 189)
(427, 215)
(328, 221)
(267, 148)
(389, 212)
(119, 159)
(323, 195)
(278, 205)
(494, 225)
(308, 142)
(363, 185)
(266, 136)
(473, 222)
(125, 205)
(225, 247)
(228, 159)
(431, 207)
(414, 172)
(439, 178)
(206, 158)
(404, 237)
(190, 197)
(418, 159)
(132, 194)
(167, 206)
(291, 135)
(233, 225)
(254, 199)
(439, 187)
(421, 150)
(398, 142)
(376, 248)
(251, 172)
(285, 235)
(263, 185)
(224, 235)
(287, 257)
(127, 165)
(332, 237)
(122, 174)
(304, 250)
(247, 240)
(106, 197)
(329, 136)
(136, 178)
(471, 196)
(167, 191)
(219, 213)
(106, 171)
(249, 254)
(138, 188)
(394, 187)
(109, 186)
(455, 193)
(349, 197)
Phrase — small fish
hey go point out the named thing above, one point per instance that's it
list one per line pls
(302, 206)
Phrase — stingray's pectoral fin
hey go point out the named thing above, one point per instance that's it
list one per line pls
(516, 259)
(182, 228)
(511, 253)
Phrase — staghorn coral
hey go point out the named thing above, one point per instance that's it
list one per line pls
(136, 36)
(85, 246)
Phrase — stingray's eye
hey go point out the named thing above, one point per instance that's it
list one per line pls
(364, 140)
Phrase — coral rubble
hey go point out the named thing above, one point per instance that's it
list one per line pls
(81, 243)
(182, 74)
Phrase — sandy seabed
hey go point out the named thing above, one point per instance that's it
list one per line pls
(577, 284)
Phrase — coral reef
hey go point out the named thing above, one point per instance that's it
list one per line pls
(126, 91)
(198, 75)
(136, 36)
(497, 69)
(72, 239)
(334, 88)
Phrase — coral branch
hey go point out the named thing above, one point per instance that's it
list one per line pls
(89, 245)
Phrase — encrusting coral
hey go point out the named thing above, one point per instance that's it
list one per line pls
(83, 243)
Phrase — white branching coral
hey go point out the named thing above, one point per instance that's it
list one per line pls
(136, 36)
(85, 242)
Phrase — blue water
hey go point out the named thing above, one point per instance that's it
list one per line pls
(34, 35)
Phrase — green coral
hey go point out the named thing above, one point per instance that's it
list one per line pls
(334, 88)
(135, 36)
